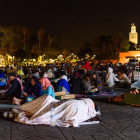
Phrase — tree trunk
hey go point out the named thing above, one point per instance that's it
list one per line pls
(36, 56)
(27, 45)
(39, 42)
(24, 41)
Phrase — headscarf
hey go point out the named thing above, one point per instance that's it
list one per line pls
(76, 74)
(36, 89)
(46, 83)
(64, 77)
(64, 83)
(35, 79)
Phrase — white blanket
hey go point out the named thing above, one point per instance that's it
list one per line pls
(67, 113)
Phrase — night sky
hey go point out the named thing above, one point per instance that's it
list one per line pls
(82, 20)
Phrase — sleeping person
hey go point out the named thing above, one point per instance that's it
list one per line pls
(67, 112)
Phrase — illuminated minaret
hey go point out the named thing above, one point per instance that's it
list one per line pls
(133, 35)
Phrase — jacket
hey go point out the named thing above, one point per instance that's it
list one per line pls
(76, 86)
(15, 89)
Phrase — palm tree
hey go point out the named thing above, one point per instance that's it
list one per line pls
(50, 40)
(24, 32)
(13, 49)
(41, 33)
(36, 50)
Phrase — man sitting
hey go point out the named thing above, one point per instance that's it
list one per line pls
(14, 90)
(36, 74)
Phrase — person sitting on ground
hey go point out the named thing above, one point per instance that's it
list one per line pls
(20, 73)
(110, 78)
(47, 88)
(43, 74)
(87, 82)
(130, 74)
(123, 76)
(50, 74)
(36, 74)
(1, 74)
(76, 84)
(63, 70)
(9, 85)
(14, 90)
(62, 85)
(96, 81)
(86, 65)
(33, 89)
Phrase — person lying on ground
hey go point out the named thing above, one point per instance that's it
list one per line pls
(132, 98)
(67, 112)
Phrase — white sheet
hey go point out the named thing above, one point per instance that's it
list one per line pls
(67, 113)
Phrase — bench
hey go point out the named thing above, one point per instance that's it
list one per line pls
(63, 95)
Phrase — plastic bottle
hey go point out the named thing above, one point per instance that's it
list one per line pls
(52, 117)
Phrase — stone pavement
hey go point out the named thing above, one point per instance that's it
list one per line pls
(118, 122)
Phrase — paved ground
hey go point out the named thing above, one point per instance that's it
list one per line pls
(118, 122)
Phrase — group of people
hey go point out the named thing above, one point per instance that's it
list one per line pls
(77, 79)
(37, 86)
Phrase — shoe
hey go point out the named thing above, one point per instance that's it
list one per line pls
(11, 114)
(5, 114)
(98, 113)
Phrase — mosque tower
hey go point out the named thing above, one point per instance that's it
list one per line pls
(133, 35)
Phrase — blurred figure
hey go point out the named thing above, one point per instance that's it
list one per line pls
(110, 78)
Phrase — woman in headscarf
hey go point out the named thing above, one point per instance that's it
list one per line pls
(47, 88)
(96, 81)
(62, 85)
(110, 78)
(33, 89)
(76, 84)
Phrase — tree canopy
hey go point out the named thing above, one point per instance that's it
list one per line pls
(105, 47)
